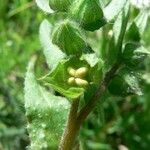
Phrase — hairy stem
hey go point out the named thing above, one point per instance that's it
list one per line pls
(84, 112)
(70, 132)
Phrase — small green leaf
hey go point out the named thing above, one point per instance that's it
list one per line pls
(68, 36)
(52, 53)
(125, 83)
(120, 24)
(45, 112)
(119, 28)
(60, 5)
(44, 5)
(92, 59)
(132, 33)
(58, 79)
(113, 9)
(88, 13)
(141, 21)
(137, 27)
(134, 54)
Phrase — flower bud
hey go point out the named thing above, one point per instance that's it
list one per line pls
(71, 71)
(71, 80)
(81, 82)
(60, 5)
(118, 86)
(88, 13)
(69, 38)
(81, 72)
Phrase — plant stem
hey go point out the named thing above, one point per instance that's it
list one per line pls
(84, 112)
(70, 132)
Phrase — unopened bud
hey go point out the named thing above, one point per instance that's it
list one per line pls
(81, 72)
(71, 71)
(88, 13)
(68, 37)
(81, 82)
(71, 80)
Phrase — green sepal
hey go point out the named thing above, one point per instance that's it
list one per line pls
(68, 36)
(60, 5)
(58, 79)
(88, 13)
(132, 33)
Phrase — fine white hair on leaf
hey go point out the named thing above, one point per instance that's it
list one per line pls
(141, 3)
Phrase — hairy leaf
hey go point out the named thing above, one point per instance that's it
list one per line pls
(120, 24)
(92, 59)
(113, 9)
(68, 36)
(58, 79)
(132, 33)
(52, 53)
(137, 27)
(44, 5)
(134, 54)
(119, 30)
(141, 21)
(45, 112)
(125, 83)
(82, 12)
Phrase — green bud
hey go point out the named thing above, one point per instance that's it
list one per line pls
(88, 13)
(81, 72)
(118, 86)
(68, 37)
(60, 5)
(71, 71)
(71, 80)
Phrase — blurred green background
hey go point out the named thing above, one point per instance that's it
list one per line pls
(122, 121)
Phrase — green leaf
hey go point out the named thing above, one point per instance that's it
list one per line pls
(119, 30)
(141, 21)
(125, 83)
(133, 84)
(52, 53)
(134, 54)
(69, 37)
(45, 112)
(44, 5)
(137, 27)
(92, 59)
(132, 33)
(60, 5)
(58, 79)
(120, 24)
(113, 9)
(82, 12)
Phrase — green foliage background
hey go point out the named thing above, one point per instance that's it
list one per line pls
(121, 121)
